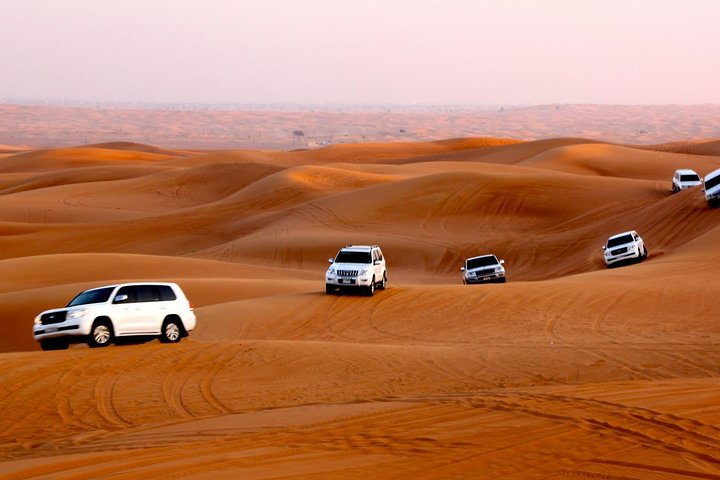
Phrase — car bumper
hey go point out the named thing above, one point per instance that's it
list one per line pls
(348, 281)
(57, 330)
(189, 321)
(622, 257)
(488, 278)
(712, 197)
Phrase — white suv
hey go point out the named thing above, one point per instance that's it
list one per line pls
(624, 246)
(357, 266)
(685, 178)
(711, 188)
(483, 269)
(129, 309)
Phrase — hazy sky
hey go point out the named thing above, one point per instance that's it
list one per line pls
(362, 51)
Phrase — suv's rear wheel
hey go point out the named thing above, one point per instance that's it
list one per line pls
(384, 281)
(101, 334)
(171, 331)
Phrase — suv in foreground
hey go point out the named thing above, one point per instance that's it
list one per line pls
(685, 178)
(623, 247)
(357, 266)
(129, 309)
(483, 269)
(711, 188)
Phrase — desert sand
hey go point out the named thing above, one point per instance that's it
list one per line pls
(570, 370)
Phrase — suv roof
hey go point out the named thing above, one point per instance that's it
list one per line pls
(482, 256)
(712, 174)
(131, 283)
(359, 248)
(631, 232)
(686, 171)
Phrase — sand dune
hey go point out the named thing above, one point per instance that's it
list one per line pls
(569, 370)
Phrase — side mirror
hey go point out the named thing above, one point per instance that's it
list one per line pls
(120, 299)
(462, 269)
(376, 262)
(603, 247)
(330, 260)
(502, 262)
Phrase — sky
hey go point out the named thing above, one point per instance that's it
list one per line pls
(338, 52)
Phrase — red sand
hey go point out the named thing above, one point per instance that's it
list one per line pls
(569, 370)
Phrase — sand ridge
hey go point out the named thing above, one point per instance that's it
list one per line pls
(568, 370)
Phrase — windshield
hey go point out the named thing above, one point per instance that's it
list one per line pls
(99, 295)
(622, 240)
(353, 257)
(486, 261)
(689, 178)
(713, 182)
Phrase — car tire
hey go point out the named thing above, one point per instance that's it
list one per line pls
(329, 289)
(101, 334)
(502, 280)
(645, 253)
(370, 290)
(54, 344)
(172, 331)
(384, 282)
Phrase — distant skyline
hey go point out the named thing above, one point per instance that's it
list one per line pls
(347, 52)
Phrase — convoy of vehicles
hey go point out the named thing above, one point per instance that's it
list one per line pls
(102, 314)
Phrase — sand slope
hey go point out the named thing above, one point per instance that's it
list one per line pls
(569, 370)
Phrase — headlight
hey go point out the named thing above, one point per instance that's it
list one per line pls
(76, 314)
(364, 271)
(37, 320)
(331, 271)
(498, 269)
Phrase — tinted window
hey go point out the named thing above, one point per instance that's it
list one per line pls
(622, 240)
(166, 293)
(713, 182)
(99, 295)
(353, 257)
(689, 178)
(486, 261)
(148, 293)
(131, 293)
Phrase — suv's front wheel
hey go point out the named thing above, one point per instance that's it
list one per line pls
(383, 283)
(371, 288)
(101, 334)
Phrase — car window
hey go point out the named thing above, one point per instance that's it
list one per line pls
(621, 240)
(131, 292)
(486, 261)
(712, 182)
(353, 257)
(98, 295)
(166, 293)
(148, 293)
